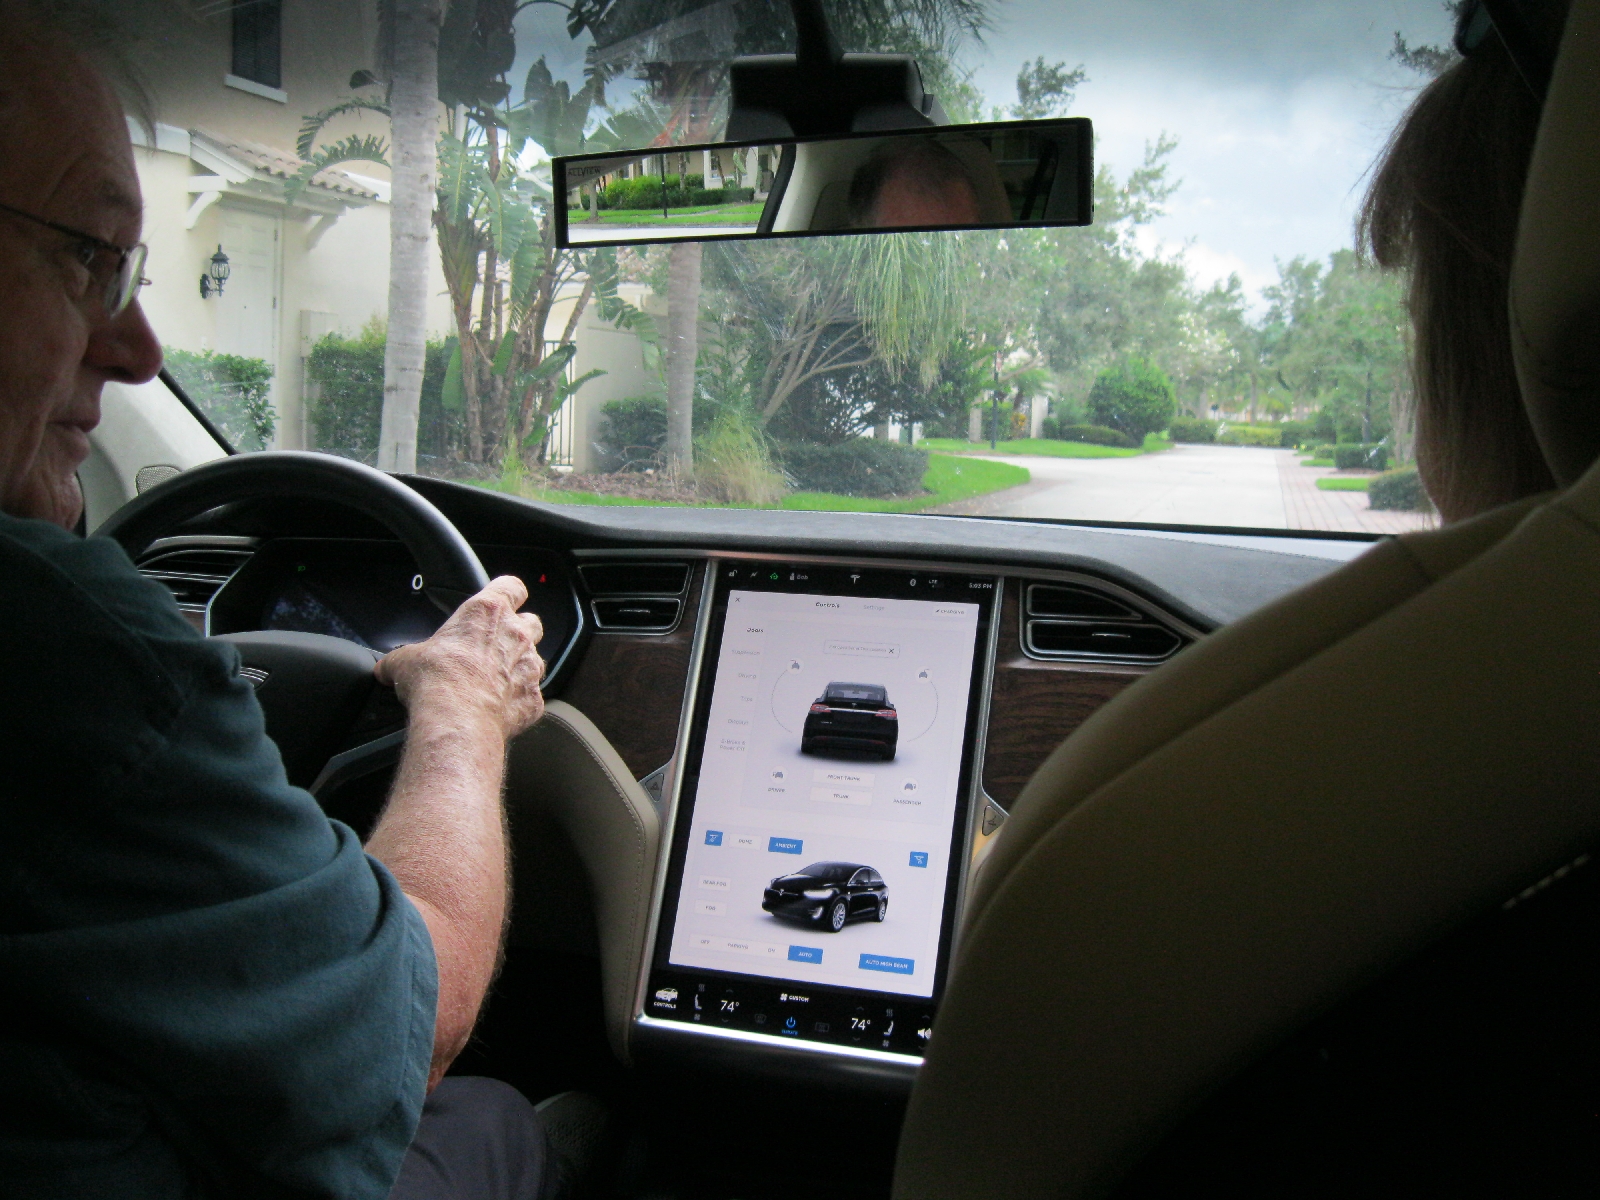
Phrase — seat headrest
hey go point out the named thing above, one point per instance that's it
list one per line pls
(1555, 275)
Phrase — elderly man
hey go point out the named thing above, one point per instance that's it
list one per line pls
(907, 183)
(209, 989)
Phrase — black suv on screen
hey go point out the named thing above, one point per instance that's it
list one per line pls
(828, 894)
(853, 717)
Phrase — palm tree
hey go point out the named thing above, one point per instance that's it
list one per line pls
(411, 37)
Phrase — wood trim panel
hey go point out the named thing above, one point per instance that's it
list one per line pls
(1035, 705)
(631, 686)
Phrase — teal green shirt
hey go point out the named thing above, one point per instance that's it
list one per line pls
(206, 987)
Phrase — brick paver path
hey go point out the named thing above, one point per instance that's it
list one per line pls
(1309, 507)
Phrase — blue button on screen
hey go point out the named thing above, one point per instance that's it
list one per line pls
(883, 962)
(713, 837)
(919, 858)
(784, 845)
(805, 954)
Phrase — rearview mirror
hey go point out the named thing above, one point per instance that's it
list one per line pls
(1005, 175)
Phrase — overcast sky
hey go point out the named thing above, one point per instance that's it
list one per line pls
(1279, 106)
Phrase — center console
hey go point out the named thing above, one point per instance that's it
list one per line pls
(820, 822)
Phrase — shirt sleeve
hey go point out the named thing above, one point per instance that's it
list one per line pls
(199, 960)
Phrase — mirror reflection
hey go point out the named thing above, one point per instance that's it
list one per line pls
(1000, 175)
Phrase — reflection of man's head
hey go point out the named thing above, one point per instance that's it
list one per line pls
(909, 182)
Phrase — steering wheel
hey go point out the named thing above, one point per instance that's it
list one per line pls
(317, 692)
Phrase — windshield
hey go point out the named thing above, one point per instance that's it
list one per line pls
(1210, 352)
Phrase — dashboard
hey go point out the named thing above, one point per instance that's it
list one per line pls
(829, 713)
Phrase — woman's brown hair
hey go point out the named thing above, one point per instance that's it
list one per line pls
(1443, 205)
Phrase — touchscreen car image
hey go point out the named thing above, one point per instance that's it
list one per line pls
(853, 718)
(828, 895)
(828, 784)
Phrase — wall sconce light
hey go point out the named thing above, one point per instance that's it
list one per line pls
(216, 275)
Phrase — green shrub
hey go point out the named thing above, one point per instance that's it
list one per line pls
(1356, 456)
(1192, 429)
(1400, 491)
(645, 191)
(346, 410)
(634, 431)
(1250, 435)
(1322, 452)
(1293, 433)
(859, 467)
(232, 390)
(1135, 397)
(1097, 435)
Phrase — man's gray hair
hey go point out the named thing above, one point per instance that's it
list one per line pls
(95, 29)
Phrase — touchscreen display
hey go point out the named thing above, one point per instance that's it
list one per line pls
(815, 841)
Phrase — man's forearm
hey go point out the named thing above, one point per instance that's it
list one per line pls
(442, 834)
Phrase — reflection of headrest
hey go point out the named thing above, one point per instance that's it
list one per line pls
(992, 200)
(1555, 279)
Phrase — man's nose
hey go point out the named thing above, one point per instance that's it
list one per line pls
(125, 347)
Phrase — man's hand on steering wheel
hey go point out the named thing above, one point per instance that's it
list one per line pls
(484, 658)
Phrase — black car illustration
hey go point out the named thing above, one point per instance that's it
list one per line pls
(855, 718)
(828, 894)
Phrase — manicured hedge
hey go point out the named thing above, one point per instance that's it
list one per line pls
(1192, 429)
(1293, 433)
(1400, 491)
(1250, 435)
(689, 191)
(1096, 435)
(1354, 456)
(1322, 452)
(859, 467)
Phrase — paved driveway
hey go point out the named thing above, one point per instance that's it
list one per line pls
(1189, 485)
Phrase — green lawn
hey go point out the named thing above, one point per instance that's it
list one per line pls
(1344, 483)
(717, 214)
(1316, 462)
(1044, 447)
(947, 479)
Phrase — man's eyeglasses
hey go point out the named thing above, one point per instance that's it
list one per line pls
(120, 282)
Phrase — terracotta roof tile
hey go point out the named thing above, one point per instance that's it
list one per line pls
(281, 164)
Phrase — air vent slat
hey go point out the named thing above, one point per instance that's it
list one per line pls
(647, 614)
(1102, 639)
(194, 576)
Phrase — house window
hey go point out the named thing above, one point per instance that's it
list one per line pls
(258, 41)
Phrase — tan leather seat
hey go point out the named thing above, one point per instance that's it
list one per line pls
(1304, 801)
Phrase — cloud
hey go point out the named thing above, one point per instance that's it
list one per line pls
(1279, 108)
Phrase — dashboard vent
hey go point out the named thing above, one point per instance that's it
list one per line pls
(1045, 600)
(1063, 621)
(194, 575)
(643, 597)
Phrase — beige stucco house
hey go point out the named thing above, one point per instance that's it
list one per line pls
(237, 81)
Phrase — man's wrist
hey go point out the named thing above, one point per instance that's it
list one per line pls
(439, 709)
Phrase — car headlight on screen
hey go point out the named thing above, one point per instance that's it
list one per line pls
(818, 893)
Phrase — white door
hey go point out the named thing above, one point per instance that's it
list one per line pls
(247, 310)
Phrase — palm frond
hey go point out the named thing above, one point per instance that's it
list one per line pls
(314, 124)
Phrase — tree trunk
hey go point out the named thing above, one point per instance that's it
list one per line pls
(414, 130)
(683, 349)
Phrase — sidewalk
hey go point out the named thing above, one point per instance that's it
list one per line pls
(1308, 507)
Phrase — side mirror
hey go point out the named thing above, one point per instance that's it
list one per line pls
(1005, 175)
